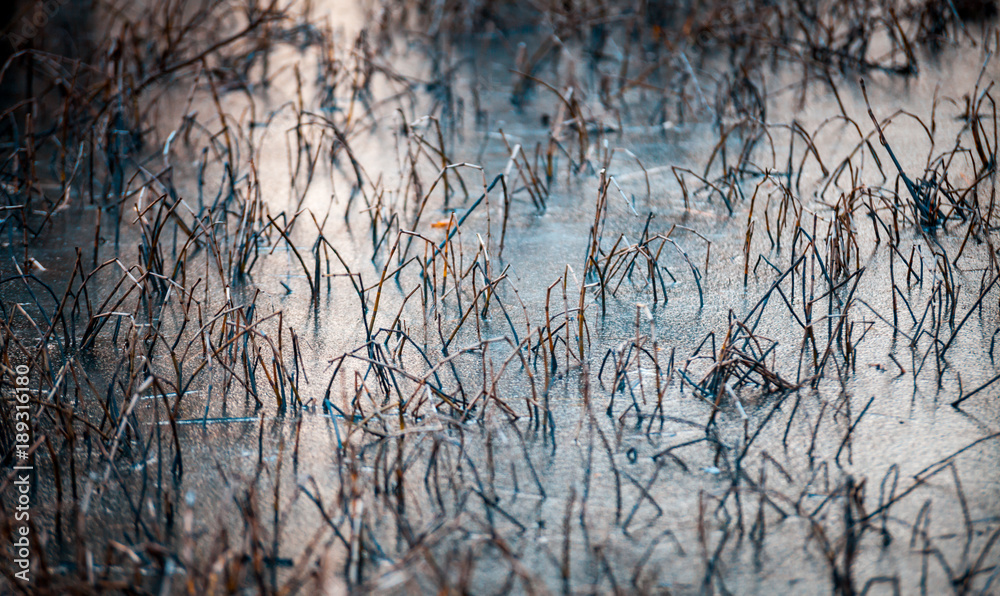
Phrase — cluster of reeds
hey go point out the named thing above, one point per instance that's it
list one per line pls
(464, 441)
(157, 318)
